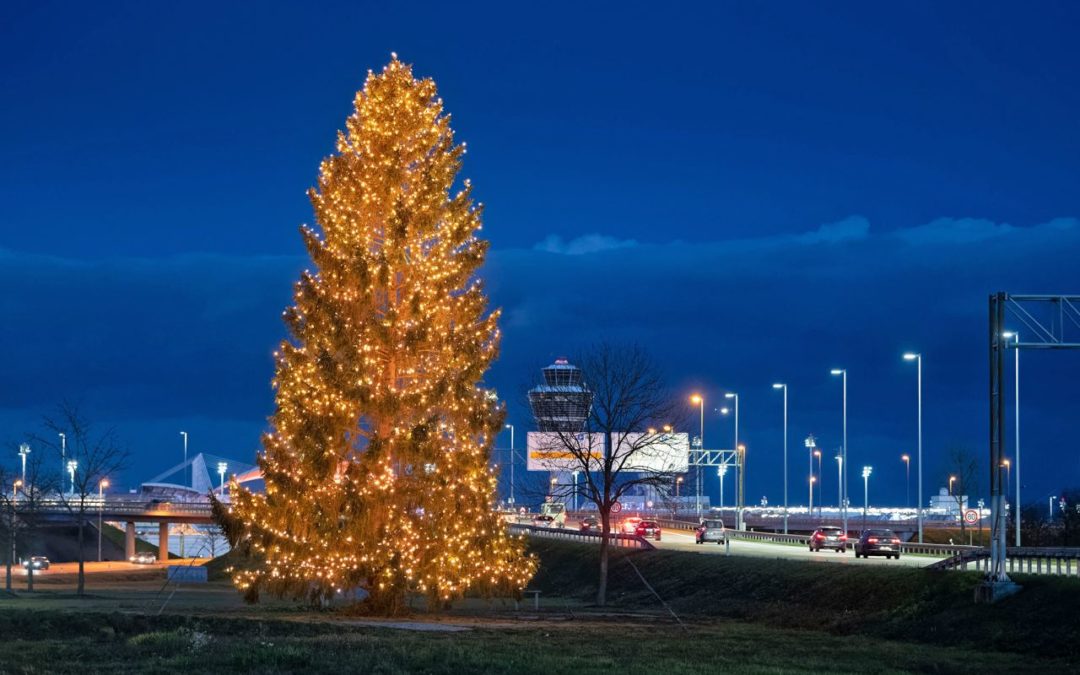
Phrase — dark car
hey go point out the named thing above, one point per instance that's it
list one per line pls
(828, 537)
(590, 524)
(37, 562)
(878, 542)
(647, 529)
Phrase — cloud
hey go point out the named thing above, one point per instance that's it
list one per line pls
(852, 228)
(589, 243)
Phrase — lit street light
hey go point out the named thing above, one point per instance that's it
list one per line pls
(222, 467)
(184, 434)
(739, 450)
(102, 484)
(24, 450)
(952, 479)
(71, 466)
(842, 372)
(678, 482)
(63, 459)
(511, 428)
(910, 356)
(784, 388)
(821, 479)
(699, 401)
(1008, 475)
(839, 478)
(907, 477)
(14, 494)
(1015, 336)
(810, 511)
(866, 471)
(721, 471)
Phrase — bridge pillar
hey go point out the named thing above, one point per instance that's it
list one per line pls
(129, 541)
(163, 542)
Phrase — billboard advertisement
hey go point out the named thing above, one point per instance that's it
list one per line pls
(645, 453)
(555, 451)
(659, 453)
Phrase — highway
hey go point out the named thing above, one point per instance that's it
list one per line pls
(682, 540)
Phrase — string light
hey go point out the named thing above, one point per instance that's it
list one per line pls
(377, 463)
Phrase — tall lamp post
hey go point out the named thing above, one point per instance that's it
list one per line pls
(102, 484)
(184, 434)
(24, 450)
(917, 358)
(839, 479)
(511, 428)
(63, 459)
(1008, 475)
(821, 479)
(783, 386)
(222, 467)
(810, 511)
(14, 493)
(72, 465)
(866, 471)
(842, 372)
(741, 467)
(699, 401)
(721, 471)
(1016, 422)
(906, 459)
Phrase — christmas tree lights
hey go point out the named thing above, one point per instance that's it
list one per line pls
(377, 462)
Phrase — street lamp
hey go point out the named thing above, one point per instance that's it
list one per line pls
(511, 428)
(866, 471)
(678, 482)
(907, 478)
(842, 372)
(222, 467)
(783, 386)
(699, 401)
(821, 479)
(553, 482)
(63, 458)
(71, 466)
(813, 479)
(184, 434)
(1008, 475)
(741, 466)
(721, 471)
(912, 356)
(1015, 336)
(24, 450)
(102, 484)
(952, 479)
(575, 473)
(15, 490)
(839, 484)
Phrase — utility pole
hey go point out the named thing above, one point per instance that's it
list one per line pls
(784, 387)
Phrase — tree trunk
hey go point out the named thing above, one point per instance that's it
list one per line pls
(605, 529)
(82, 573)
(9, 556)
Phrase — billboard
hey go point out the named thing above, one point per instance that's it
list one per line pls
(563, 451)
(645, 453)
(649, 453)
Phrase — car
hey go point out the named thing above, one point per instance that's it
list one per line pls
(648, 528)
(710, 529)
(878, 542)
(144, 558)
(629, 525)
(543, 520)
(828, 537)
(590, 524)
(37, 562)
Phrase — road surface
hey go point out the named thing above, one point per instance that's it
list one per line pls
(683, 540)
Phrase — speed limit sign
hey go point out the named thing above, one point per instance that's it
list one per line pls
(616, 507)
(971, 516)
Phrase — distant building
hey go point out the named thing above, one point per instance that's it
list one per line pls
(563, 402)
(948, 503)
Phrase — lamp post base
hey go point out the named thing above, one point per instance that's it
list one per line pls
(989, 592)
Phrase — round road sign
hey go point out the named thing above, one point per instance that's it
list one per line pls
(616, 507)
(971, 516)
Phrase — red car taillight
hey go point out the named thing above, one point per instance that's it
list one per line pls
(872, 540)
(843, 537)
(819, 536)
(896, 541)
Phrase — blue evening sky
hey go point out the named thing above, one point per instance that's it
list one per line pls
(753, 191)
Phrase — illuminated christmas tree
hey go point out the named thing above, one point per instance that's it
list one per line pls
(377, 462)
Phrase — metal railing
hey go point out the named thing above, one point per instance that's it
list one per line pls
(565, 534)
(1023, 560)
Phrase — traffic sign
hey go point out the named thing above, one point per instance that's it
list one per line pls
(971, 516)
(616, 507)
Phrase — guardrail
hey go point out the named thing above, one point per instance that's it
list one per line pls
(1024, 560)
(124, 508)
(620, 540)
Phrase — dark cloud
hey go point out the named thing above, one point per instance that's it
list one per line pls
(156, 345)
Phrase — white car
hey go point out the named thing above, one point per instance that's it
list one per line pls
(144, 559)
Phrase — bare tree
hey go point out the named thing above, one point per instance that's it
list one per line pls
(35, 484)
(97, 456)
(963, 477)
(618, 448)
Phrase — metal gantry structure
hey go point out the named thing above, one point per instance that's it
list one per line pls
(1050, 322)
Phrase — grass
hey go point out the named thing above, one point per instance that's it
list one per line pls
(738, 614)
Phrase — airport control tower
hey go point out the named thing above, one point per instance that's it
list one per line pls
(563, 402)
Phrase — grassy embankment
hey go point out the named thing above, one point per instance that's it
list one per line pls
(738, 615)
